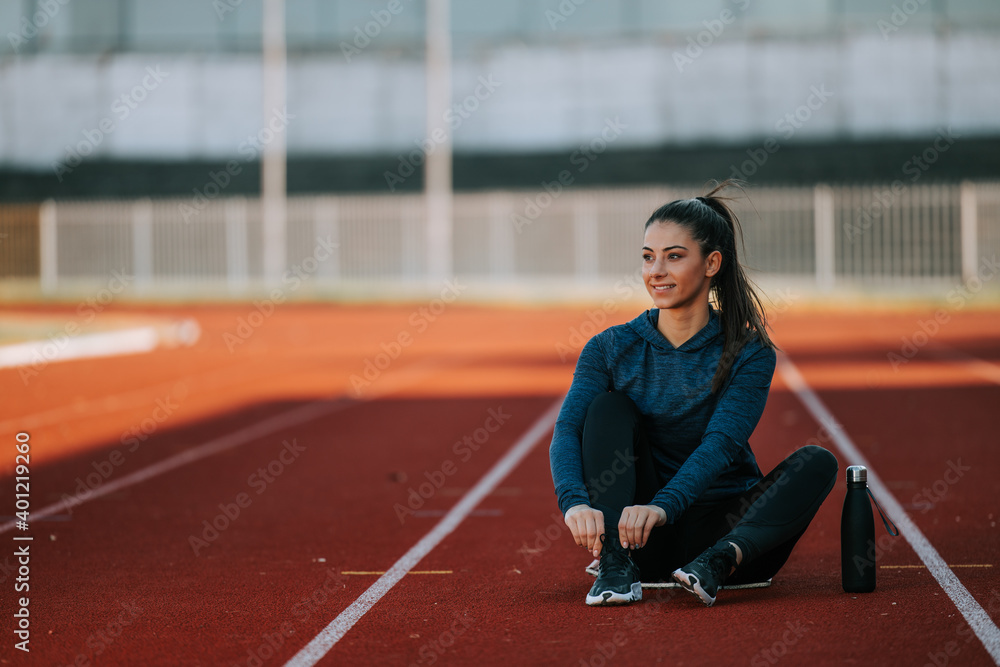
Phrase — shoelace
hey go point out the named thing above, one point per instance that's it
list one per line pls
(614, 559)
(716, 562)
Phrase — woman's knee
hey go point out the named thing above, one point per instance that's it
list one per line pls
(821, 462)
(611, 404)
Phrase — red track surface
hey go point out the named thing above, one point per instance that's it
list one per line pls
(514, 594)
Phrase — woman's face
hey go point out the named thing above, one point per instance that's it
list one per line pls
(673, 269)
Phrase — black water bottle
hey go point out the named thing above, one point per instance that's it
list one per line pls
(857, 534)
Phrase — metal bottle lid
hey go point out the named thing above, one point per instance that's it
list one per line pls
(857, 474)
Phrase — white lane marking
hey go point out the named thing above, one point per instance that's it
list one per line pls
(974, 614)
(267, 426)
(112, 403)
(406, 377)
(104, 344)
(314, 651)
(973, 364)
(136, 340)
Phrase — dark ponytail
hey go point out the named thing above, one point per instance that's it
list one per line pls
(712, 223)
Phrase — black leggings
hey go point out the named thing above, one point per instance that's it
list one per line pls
(765, 521)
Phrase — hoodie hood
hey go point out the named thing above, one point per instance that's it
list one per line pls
(645, 326)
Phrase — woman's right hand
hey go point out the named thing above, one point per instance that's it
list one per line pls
(587, 526)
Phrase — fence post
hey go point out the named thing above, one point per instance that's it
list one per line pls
(438, 182)
(826, 242)
(586, 257)
(969, 206)
(237, 266)
(48, 246)
(501, 235)
(411, 231)
(326, 223)
(142, 242)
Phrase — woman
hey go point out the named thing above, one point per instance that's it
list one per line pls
(650, 455)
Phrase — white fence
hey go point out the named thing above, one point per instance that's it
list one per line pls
(822, 236)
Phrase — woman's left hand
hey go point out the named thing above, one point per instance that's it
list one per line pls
(637, 522)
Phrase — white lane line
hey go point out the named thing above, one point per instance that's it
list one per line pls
(407, 376)
(314, 651)
(137, 340)
(973, 364)
(974, 614)
(262, 428)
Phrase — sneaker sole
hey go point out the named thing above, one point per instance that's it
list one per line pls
(609, 598)
(592, 571)
(734, 587)
(691, 584)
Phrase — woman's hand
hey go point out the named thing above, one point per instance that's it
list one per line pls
(637, 522)
(587, 526)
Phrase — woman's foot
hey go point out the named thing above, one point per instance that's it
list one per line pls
(705, 575)
(617, 576)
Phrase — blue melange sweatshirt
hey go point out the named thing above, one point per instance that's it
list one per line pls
(698, 439)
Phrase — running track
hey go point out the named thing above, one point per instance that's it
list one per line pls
(324, 468)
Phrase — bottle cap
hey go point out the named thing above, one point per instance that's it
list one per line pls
(857, 474)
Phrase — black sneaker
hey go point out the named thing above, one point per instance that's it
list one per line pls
(617, 577)
(764, 583)
(705, 575)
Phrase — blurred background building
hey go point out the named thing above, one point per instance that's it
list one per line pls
(694, 85)
(128, 99)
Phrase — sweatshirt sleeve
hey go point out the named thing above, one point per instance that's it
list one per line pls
(590, 378)
(735, 417)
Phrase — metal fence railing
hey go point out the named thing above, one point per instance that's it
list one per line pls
(19, 241)
(824, 236)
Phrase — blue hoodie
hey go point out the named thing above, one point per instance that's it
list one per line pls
(699, 440)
